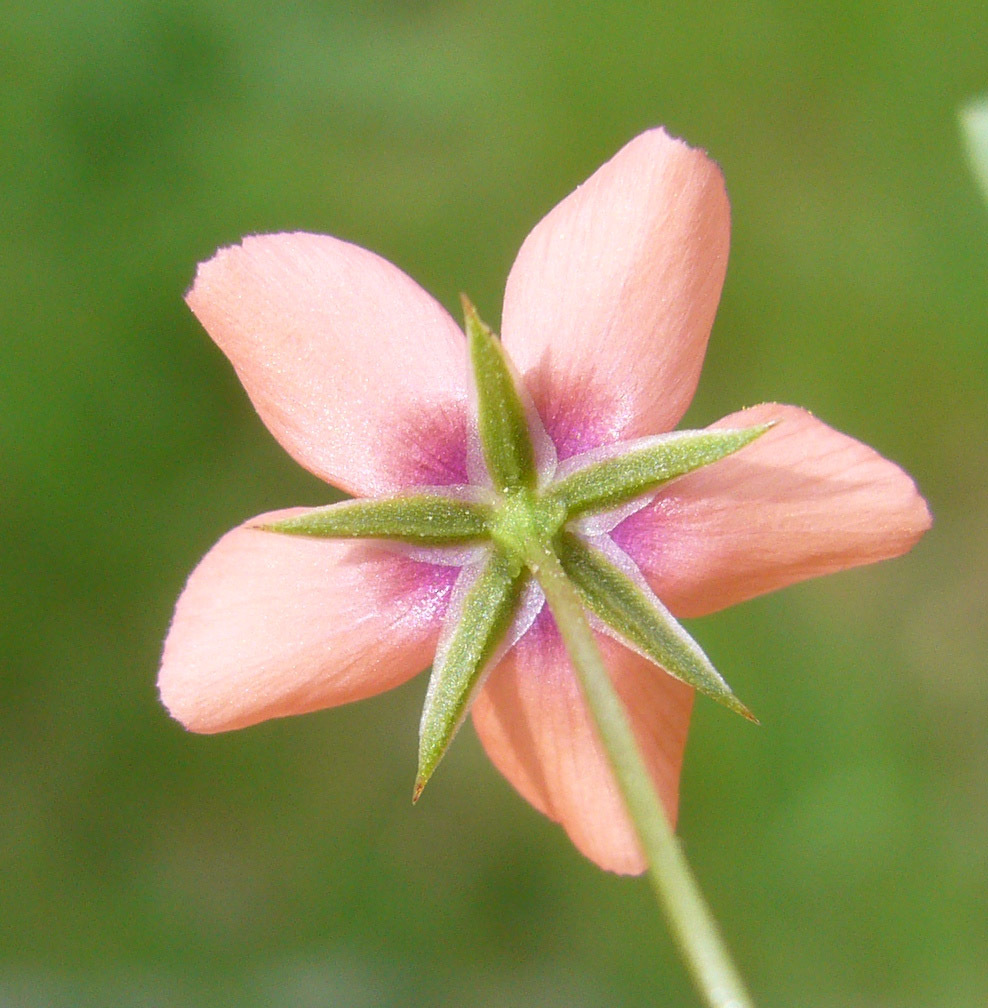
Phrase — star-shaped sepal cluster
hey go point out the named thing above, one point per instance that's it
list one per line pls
(498, 528)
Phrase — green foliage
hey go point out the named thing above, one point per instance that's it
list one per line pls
(974, 123)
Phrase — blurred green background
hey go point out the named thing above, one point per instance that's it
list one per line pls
(842, 844)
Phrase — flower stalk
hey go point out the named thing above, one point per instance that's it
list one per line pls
(693, 927)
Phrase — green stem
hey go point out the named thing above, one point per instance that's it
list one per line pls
(692, 925)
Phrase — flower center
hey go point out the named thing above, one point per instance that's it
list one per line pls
(522, 519)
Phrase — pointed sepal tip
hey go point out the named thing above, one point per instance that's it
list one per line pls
(502, 423)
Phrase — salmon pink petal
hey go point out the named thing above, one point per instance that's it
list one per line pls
(357, 371)
(609, 304)
(271, 625)
(801, 500)
(537, 730)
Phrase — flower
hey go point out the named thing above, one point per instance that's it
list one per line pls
(365, 380)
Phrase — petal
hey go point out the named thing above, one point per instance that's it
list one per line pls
(357, 371)
(535, 726)
(610, 302)
(271, 625)
(801, 500)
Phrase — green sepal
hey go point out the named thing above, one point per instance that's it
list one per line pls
(502, 425)
(484, 618)
(425, 519)
(641, 620)
(613, 481)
